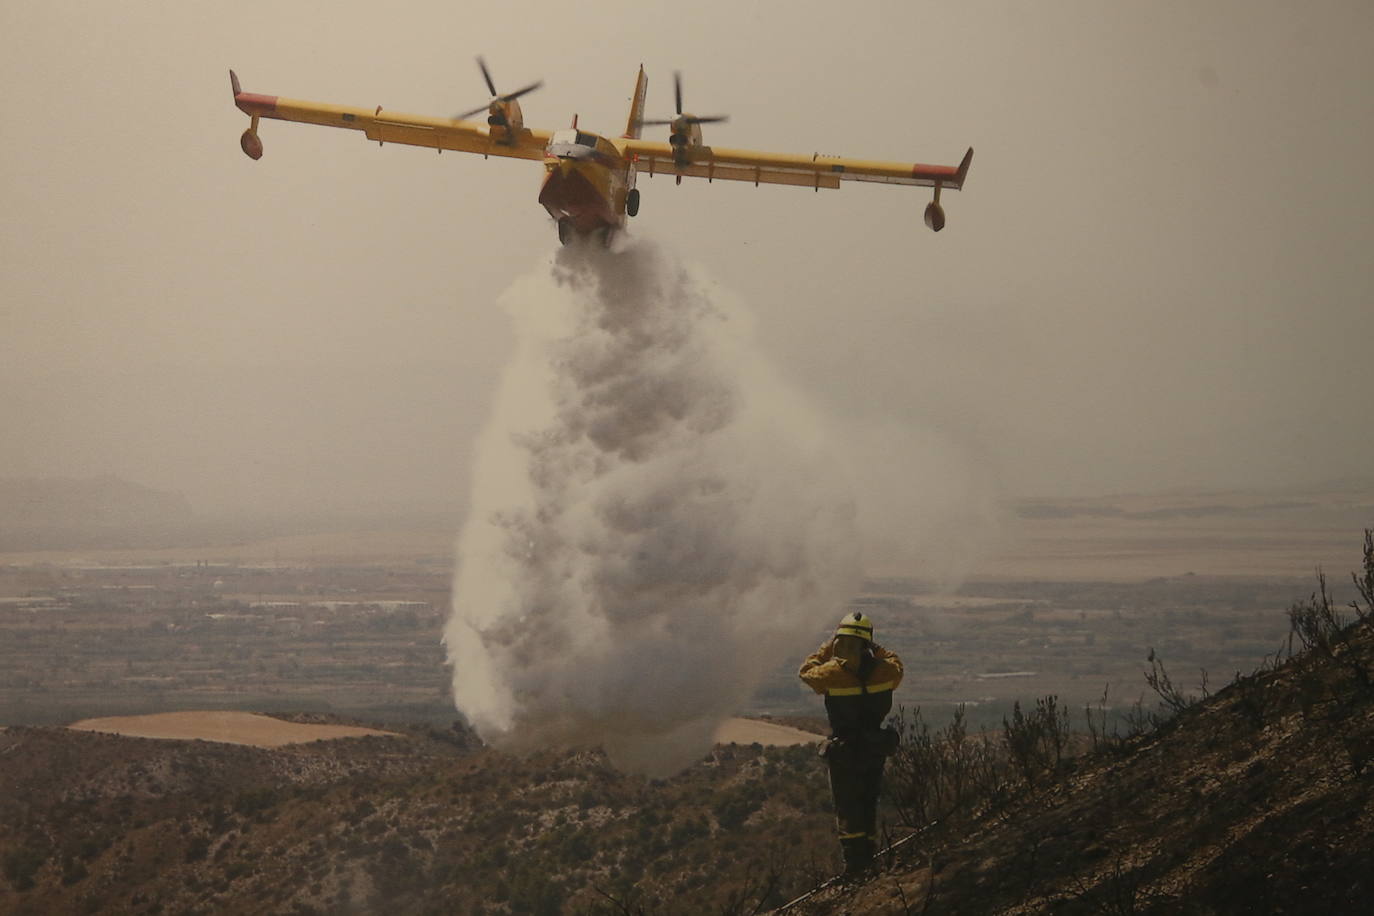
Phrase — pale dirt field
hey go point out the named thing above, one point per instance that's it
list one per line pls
(264, 731)
(224, 727)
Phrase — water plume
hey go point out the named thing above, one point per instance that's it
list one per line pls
(656, 521)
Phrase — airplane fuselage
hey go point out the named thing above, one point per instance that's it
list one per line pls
(586, 182)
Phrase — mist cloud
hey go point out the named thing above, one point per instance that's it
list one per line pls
(656, 521)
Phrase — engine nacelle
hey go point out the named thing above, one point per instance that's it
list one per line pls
(251, 144)
(935, 216)
(505, 121)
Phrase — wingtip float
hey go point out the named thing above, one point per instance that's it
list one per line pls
(935, 214)
(253, 106)
(589, 179)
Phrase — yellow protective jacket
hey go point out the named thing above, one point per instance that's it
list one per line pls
(823, 672)
(855, 701)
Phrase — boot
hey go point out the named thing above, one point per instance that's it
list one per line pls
(858, 855)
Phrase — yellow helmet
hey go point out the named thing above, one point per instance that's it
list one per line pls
(856, 624)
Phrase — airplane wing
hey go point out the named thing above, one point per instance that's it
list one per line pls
(782, 168)
(386, 126)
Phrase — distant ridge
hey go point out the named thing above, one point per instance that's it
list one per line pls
(40, 513)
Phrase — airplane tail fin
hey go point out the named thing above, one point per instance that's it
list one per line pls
(636, 122)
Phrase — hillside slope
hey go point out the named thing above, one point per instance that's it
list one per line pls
(428, 822)
(1259, 799)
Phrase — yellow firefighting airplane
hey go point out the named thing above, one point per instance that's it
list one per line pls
(589, 180)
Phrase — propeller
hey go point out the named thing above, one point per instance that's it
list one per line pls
(496, 96)
(683, 120)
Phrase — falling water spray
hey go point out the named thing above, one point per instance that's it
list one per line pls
(657, 522)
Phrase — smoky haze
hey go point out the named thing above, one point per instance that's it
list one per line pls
(1157, 275)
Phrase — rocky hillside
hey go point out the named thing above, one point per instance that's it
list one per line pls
(428, 822)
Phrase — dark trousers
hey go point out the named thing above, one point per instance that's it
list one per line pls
(856, 777)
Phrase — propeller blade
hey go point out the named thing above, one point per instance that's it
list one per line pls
(682, 120)
(495, 96)
(487, 76)
(467, 114)
(519, 92)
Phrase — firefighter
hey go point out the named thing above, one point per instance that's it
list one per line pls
(857, 677)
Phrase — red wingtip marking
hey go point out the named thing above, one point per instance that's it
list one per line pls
(941, 172)
(253, 104)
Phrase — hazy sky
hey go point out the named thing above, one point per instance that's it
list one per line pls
(1158, 275)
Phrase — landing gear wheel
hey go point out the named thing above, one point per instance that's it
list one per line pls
(566, 232)
(632, 202)
(607, 235)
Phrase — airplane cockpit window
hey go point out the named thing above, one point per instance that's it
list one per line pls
(571, 143)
